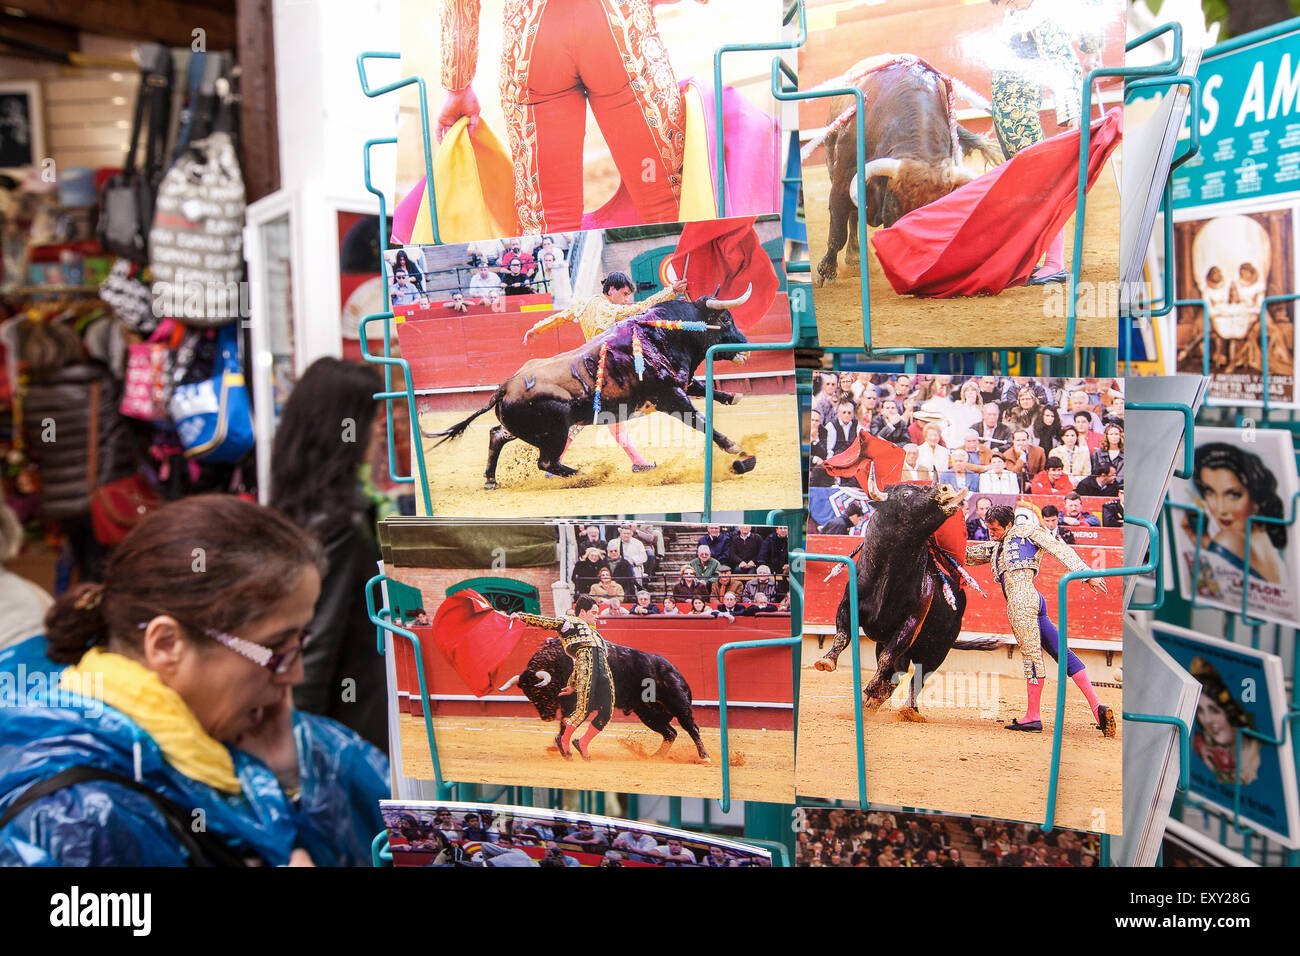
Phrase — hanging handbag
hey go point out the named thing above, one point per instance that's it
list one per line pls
(145, 393)
(196, 257)
(117, 507)
(127, 199)
(214, 416)
(124, 291)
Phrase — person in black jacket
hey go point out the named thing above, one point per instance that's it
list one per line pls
(775, 552)
(322, 440)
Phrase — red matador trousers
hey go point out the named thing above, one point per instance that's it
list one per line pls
(560, 55)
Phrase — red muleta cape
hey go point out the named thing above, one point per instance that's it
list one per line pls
(725, 256)
(475, 638)
(988, 235)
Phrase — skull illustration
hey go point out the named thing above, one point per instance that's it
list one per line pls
(1230, 259)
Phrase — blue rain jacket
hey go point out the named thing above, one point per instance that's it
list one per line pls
(44, 730)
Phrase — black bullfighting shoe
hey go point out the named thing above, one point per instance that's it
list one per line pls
(1106, 720)
(559, 742)
(650, 467)
(1039, 278)
(1029, 726)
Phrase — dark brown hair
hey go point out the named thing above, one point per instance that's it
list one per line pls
(210, 560)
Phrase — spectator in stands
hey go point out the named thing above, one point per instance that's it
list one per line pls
(1078, 403)
(555, 273)
(652, 539)
(632, 550)
(716, 540)
(403, 290)
(403, 263)
(516, 282)
(675, 854)
(964, 414)
(911, 469)
(977, 455)
(977, 528)
(1024, 413)
(931, 455)
(829, 396)
(744, 549)
(997, 480)
(889, 425)
(1052, 522)
(688, 587)
(762, 581)
(842, 429)
(1112, 512)
(700, 608)
(483, 283)
(591, 536)
(457, 302)
(731, 603)
(587, 836)
(1074, 514)
(991, 431)
(816, 438)
(775, 552)
(587, 571)
(486, 251)
(845, 523)
(1047, 430)
(637, 846)
(704, 565)
(953, 857)
(620, 570)
(644, 605)
(1102, 484)
(1111, 452)
(1073, 457)
(762, 604)
(960, 476)
(607, 590)
(1087, 436)
(1023, 459)
(527, 264)
(1051, 481)
(723, 584)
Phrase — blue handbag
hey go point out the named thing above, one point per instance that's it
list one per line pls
(213, 417)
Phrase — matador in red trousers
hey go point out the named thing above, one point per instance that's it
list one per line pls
(558, 56)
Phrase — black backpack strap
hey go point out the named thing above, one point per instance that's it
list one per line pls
(205, 849)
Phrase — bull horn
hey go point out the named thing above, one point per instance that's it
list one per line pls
(545, 678)
(873, 491)
(718, 305)
(934, 485)
(672, 273)
(887, 167)
(510, 683)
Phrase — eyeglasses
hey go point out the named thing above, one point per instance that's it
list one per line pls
(277, 662)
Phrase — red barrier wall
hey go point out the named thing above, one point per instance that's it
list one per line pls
(691, 644)
(481, 351)
(1093, 616)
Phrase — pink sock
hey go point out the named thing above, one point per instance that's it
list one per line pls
(1034, 691)
(1055, 260)
(621, 436)
(1085, 685)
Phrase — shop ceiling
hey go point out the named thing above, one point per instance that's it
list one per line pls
(55, 24)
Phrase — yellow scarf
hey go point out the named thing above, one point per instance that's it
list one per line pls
(140, 694)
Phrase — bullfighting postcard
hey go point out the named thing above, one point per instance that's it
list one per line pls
(1240, 477)
(1241, 712)
(889, 836)
(585, 655)
(568, 375)
(963, 502)
(1235, 209)
(967, 173)
(423, 833)
(558, 115)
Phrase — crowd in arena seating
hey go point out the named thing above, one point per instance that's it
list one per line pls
(837, 837)
(470, 838)
(496, 268)
(737, 571)
(987, 435)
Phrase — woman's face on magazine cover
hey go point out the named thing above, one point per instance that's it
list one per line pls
(1214, 721)
(1227, 499)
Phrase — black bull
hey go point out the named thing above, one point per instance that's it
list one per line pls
(901, 602)
(645, 684)
(909, 153)
(547, 396)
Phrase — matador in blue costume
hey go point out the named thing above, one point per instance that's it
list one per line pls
(1016, 553)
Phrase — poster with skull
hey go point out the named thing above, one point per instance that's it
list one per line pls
(1232, 263)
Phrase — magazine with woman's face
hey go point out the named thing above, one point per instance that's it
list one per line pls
(1239, 477)
(1243, 699)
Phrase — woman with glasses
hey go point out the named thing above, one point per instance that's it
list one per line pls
(166, 698)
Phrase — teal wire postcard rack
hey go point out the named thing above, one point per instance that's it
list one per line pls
(1059, 360)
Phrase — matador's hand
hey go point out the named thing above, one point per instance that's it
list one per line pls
(565, 692)
(1097, 584)
(456, 105)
